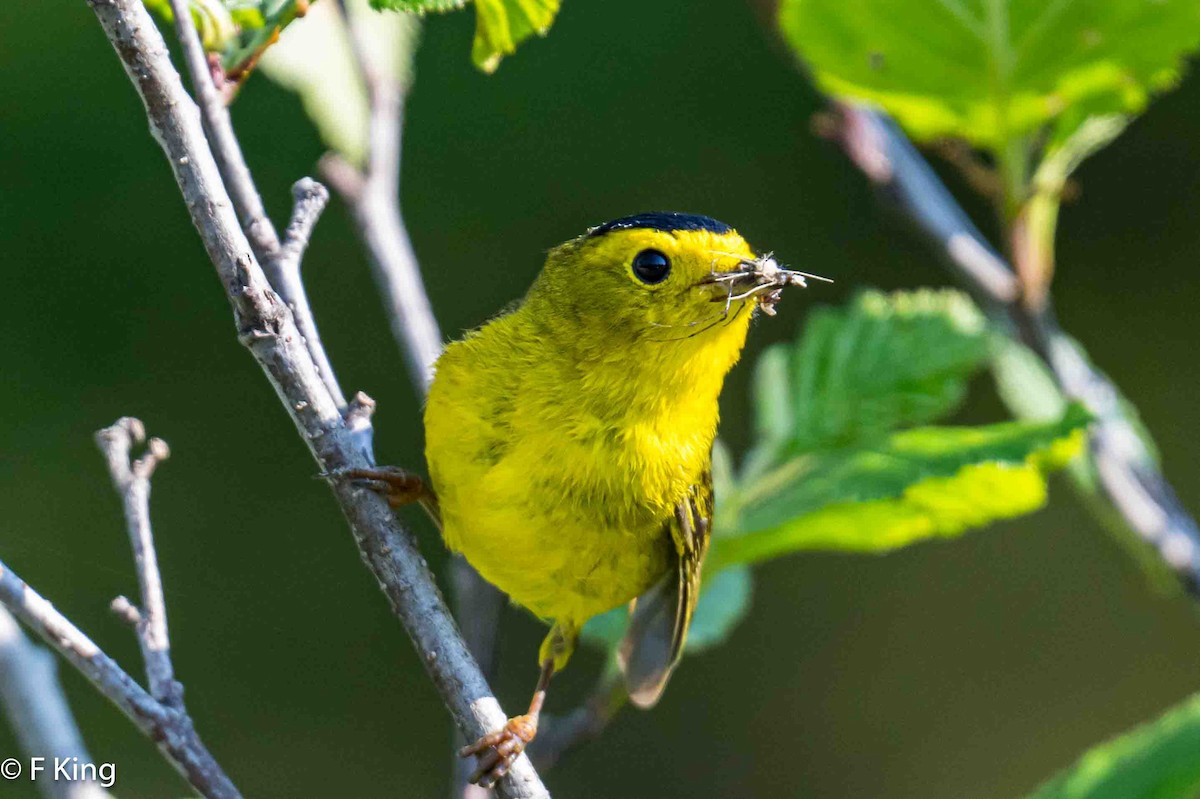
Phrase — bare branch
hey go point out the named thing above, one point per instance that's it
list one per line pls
(1129, 479)
(169, 727)
(267, 328)
(310, 200)
(131, 479)
(38, 711)
(228, 152)
(283, 273)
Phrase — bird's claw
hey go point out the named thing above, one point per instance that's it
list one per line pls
(497, 751)
(398, 486)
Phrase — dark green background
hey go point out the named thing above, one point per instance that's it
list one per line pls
(967, 669)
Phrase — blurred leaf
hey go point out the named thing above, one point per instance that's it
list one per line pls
(724, 601)
(501, 25)
(605, 631)
(218, 28)
(993, 70)
(313, 58)
(918, 484)
(885, 361)
(1155, 761)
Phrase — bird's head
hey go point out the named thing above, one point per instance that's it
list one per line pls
(660, 278)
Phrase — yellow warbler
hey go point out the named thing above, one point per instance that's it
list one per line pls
(569, 440)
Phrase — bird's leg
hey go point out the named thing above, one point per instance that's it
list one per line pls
(398, 487)
(498, 750)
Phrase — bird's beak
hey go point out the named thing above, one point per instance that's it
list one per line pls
(761, 278)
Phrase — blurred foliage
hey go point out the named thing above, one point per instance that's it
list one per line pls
(314, 60)
(237, 31)
(500, 25)
(1155, 761)
(833, 469)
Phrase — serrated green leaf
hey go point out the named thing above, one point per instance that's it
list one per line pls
(313, 59)
(1155, 761)
(501, 25)
(885, 361)
(918, 484)
(993, 70)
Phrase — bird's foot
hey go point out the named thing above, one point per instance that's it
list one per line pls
(398, 487)
(497, 751)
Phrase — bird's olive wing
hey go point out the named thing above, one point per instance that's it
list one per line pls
(658, 628)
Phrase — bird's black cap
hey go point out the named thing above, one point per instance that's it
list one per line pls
(666, 221)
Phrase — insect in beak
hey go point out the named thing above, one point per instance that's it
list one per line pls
(761, 278)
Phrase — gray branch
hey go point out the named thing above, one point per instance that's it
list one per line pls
(1129, 479)
(266, 326)
(38, 711)
(131, 479)
(171, 729)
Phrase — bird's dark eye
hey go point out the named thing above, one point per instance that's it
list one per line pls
(651, 266)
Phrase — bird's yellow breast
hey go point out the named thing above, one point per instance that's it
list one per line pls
(556, 484)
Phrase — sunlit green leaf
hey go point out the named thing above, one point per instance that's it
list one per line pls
(501, 25)
(1155, 761)
(991, 70)
(919, 484)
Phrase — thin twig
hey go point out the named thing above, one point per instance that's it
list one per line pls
(266, 326)
(280, 260)
(38, 711)
(131, 479)
(169, 727)
(1129, 478)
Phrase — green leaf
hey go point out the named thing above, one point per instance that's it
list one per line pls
(501, 25)
(994, 70)
(313, 58)
(217, 26)
(885, 361)
(919, 484)
(1155, 761)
